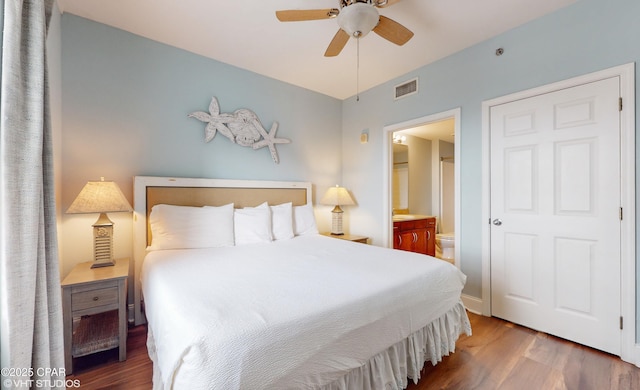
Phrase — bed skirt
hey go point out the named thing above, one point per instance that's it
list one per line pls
(391, 368)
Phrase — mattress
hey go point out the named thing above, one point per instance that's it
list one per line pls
(306, 313)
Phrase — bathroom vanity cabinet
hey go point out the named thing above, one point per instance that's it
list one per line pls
(415, 234)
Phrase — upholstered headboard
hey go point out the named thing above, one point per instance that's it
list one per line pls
(149, 191)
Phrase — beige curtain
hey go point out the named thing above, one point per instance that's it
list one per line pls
(32, 337)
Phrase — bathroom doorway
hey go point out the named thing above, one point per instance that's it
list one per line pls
(431, 175)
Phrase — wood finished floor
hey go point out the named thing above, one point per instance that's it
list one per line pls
(499, 355)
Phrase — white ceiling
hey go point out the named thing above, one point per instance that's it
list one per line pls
(246, 34)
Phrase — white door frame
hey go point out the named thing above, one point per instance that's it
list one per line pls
(387, 166)
(629, 351)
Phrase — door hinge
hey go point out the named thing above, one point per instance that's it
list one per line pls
(620, 104)
(620, 213)
(621, 323)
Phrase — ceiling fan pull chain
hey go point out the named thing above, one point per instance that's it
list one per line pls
(357, 69)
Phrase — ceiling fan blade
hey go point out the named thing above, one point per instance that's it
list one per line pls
(337, 43)
(300, 15)
(384, 4)
(393, 31)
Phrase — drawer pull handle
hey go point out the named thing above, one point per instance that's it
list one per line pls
(95, 298)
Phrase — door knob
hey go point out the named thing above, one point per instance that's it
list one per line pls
(497, 222)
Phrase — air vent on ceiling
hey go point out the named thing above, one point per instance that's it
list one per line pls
(406, 89)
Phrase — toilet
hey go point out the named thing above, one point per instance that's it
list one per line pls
(445, 247)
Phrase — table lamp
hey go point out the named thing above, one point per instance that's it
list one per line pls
(101, 197)
(337, 196)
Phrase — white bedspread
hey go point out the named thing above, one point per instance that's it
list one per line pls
(298, 313)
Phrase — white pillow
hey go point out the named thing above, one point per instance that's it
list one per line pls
(304, 221)
(282, 221)
(252, 225)
(184, 227)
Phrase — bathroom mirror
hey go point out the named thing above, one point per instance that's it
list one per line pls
(400, 185)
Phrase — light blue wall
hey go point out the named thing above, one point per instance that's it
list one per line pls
(126, 100)
(588, 36)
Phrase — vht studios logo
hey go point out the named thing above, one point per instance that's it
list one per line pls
(41, 383)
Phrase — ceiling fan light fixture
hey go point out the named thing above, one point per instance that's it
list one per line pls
(358, 19)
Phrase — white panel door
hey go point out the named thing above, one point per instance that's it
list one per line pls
(555, 223)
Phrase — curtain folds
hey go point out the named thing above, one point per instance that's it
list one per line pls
(32, 337)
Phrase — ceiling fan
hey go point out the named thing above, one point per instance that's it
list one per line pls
(356, 18)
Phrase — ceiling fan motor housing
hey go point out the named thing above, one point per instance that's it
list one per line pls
(358, 18)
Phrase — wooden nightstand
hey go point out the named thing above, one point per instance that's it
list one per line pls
(349, 237)
(98, 297)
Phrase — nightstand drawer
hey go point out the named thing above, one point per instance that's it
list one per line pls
(94, 298)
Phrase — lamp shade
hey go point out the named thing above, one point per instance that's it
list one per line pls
(99, 197)
(337, 196)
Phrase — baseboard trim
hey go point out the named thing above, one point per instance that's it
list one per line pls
(472, 304)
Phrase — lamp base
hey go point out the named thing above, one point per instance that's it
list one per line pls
(336, 221)
(103, 242)
(103, 263)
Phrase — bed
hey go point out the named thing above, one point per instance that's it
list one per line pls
(298, 311)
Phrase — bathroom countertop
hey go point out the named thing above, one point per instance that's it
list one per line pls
(410, 217)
